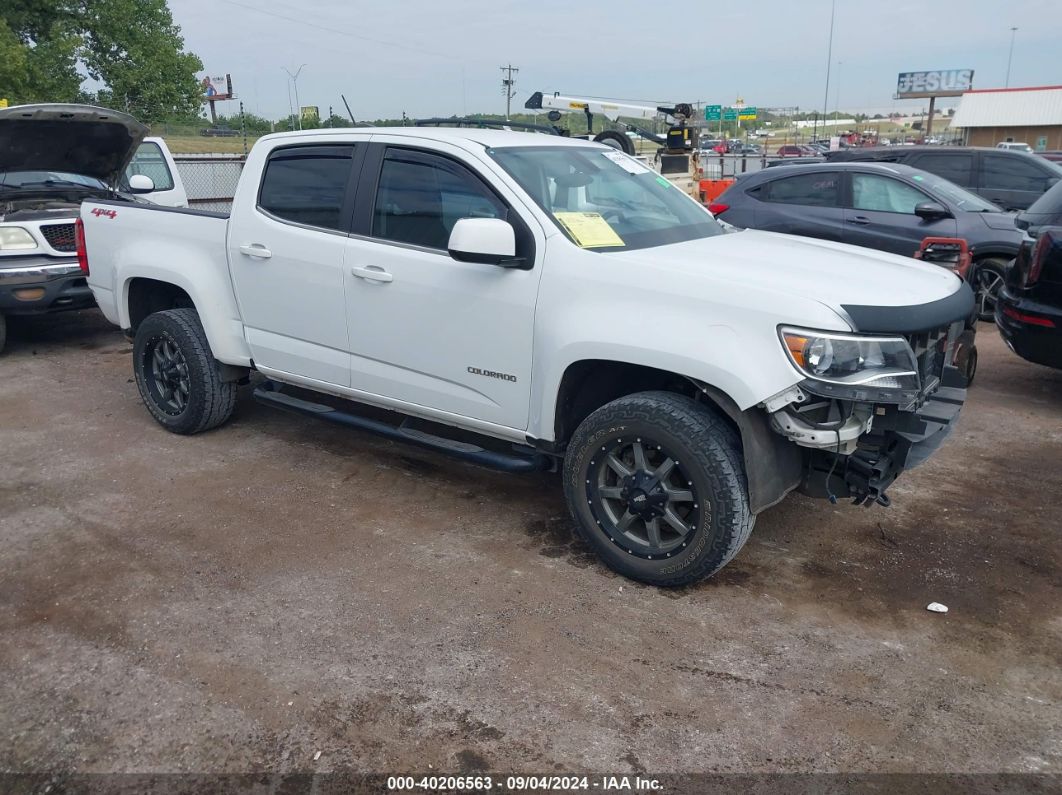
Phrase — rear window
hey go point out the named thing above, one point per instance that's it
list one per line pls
(1049, 203)
(307, 185)
(150, 162)
(955, 167)
(819, 189)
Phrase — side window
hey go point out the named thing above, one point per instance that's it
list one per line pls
(814, 190)
(307, 185)
(1011, 173)
(884, 194)
(150, 162)
(421, 196)
(952, 167)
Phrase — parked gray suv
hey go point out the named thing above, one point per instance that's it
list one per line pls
(1011, 179)
(886, 206)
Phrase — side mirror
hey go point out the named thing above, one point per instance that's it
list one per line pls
(931, 211)
(491, 241)
(141, 183)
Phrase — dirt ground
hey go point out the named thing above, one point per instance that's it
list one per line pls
(280, 595)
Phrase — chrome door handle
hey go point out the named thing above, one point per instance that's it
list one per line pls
(372, 273)
(858, 220)
(256, 250)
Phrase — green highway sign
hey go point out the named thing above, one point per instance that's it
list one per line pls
(747, 113)
(730, 114)
(712, 112)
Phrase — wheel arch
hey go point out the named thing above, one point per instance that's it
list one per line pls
(773, 465)
(143, 291)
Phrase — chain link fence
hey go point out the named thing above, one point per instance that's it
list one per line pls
(210, 179)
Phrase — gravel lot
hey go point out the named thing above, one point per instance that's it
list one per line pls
(245, 599)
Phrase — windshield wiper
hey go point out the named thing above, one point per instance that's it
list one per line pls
(47, 183)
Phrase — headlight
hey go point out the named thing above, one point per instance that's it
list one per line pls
(882, 362)
(15, 238)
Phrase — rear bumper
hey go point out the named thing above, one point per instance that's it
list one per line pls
(36, 286)
(1040, 344)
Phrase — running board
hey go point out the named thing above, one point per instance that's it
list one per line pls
(270, 394)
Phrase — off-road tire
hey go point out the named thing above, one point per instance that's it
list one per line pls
(210, 400)
(709, 450)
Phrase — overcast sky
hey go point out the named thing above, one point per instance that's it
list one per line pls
(440, 57)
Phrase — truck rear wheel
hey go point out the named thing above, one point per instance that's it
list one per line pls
(656, 484)
(177, 375)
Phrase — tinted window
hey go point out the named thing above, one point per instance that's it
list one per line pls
(150, 162)
(1012, 173)
(884, 194)
(1050, 202)
(421, 196)
(307, 184)
(952, 167)
(816, 190)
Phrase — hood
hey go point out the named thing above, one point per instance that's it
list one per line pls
(833, 274)
(999, 221)
(79, 139)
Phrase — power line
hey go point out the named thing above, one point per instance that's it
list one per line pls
(337, 32)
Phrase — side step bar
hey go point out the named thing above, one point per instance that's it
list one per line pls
(270, 394)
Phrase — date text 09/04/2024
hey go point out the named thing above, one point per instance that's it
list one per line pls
(522, 783)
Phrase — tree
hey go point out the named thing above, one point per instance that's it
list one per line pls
(135, 50)
(131, 47)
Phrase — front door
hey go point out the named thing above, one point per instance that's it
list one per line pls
(1013, 181)
(881, 215)
(287, 262)
(426, 329)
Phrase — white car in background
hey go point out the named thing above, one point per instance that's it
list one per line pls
(1014, 146)
(53, 157)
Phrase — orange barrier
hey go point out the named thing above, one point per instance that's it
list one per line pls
(712, 189)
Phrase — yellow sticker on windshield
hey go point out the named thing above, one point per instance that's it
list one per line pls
(589, 230)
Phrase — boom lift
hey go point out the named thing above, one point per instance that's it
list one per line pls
(677, 158)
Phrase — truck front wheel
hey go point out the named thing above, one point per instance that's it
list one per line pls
(656, 484)
(177, 375)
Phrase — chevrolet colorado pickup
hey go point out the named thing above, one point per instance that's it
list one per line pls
(526, 302)
(52, 157)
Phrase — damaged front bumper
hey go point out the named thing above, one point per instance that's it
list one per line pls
(895, 441)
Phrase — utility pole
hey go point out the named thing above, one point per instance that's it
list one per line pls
(295, 81)
(507, 87)
(1010, 55)
(829, 63)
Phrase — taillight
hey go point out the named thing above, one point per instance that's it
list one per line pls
(1023, 317)
(82, 251)
(718, 208)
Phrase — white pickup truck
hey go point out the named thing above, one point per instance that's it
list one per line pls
(524, 301)
(53, 157)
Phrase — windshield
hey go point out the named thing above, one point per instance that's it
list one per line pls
(961, 198)
(604, 200)
(47, 179)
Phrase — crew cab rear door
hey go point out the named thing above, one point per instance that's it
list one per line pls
(425, 329)
(286, 253)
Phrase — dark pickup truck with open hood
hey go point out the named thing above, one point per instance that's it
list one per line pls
(52, 157)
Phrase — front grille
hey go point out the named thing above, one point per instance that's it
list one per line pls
(930, 350)
(60, 236)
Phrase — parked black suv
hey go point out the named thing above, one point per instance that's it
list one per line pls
(1029, 307)
(1013, 180)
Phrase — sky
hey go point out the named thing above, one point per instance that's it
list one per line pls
(443, 57)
